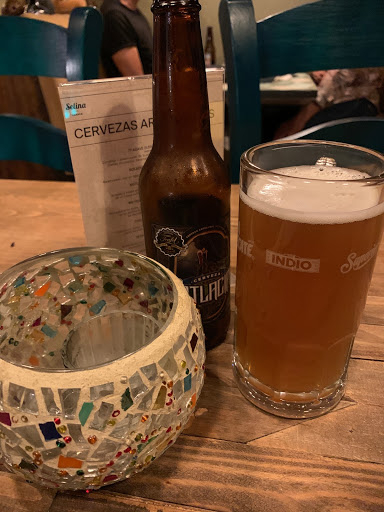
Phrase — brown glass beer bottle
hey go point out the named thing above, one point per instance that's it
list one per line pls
(209, 49)
(184, 186)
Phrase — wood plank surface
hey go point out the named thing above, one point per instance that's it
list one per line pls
(369, 342)
(232, 457)
(114, 502)
(345, 433)
(38, 217)
(16, 495)
(227, 476)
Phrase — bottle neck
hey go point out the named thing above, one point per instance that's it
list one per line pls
(180, 98)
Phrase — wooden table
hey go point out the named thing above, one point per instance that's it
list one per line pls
(233, 457)
(298, 89)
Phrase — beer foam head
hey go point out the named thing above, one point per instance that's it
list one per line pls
(322, 195)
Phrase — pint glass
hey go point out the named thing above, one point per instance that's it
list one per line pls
(310, 222)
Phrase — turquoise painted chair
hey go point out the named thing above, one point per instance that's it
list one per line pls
(40, 143)
(327, 34)
(37, 48)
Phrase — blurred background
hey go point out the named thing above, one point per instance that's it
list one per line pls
(209, 16)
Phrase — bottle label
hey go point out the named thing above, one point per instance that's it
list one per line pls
(200, 257)
(208, 59)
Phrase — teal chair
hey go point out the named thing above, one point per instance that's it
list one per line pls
(327, 34)
(40, 142)
(36, 48)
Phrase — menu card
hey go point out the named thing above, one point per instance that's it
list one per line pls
(109, 126)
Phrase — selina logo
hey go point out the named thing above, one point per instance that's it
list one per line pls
(292, 262)
(355, 262)
(75, 106)
(72, 109)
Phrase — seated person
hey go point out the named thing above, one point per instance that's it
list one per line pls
(126, 48)
(341, 93)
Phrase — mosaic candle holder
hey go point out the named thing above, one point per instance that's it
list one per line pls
(101, 363)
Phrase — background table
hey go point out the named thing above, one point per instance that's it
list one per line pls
(297, 89)
(232, 457)
(281, 99)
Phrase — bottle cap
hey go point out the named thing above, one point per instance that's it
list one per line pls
(174, 3)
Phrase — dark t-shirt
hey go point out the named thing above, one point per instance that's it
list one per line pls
(124, 28)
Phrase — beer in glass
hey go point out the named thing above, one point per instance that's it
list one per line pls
(310, 222)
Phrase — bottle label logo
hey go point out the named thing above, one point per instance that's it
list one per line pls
(200, 258)
(169, 241)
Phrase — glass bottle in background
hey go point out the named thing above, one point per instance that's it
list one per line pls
(184, 185)
(209, 50)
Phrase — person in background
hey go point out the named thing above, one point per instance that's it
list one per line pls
(126, 48)
(341, 93)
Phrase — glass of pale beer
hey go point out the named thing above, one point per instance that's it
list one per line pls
(310, 223)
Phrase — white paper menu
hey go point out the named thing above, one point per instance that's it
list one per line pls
(109, 129)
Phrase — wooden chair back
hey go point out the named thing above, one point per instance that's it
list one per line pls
(326, 34)
(37, 48)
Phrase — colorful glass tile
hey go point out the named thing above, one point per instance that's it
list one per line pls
(53, 453)
(168, 364)
(187, 382)
(125, 426)
(179, 343)
(152, 289)
(160, 400)
(77, 260)
(5, 418)
(136, 386)
(30, 466)
(49, 400)
(126, 400)
(194, 341)
(100, 418)
(65, 309)
(81, 454)
(48, 331)
(12, 438)
(109, 287)
(76, 433)
(19, 281)
(29, 402)
(102, 390)
(15, 395)
(69, 462)
(96, 308)
(188, 358)
(110, 478)
(146, 401)
(43, 290)
(85, 411)
(150, 371)
(128, 283)
(75, 286)
(106, 450)
(69, 399)
(49, 430)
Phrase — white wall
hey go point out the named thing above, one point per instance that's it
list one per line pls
(209, 16)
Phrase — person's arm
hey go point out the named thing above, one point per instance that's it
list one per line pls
(298, 122)
(128, 62)
(120, 44)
